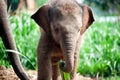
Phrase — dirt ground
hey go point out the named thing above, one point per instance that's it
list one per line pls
(8, 74)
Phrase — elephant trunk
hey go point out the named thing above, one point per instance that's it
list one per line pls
(68, 47)
(6, 34)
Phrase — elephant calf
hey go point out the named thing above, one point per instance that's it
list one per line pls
(63, 23)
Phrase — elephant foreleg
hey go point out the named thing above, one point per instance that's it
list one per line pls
(44, 58)
(76, 57)
(73, 73)
(44, 67)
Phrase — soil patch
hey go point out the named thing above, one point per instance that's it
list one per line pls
(8, 74)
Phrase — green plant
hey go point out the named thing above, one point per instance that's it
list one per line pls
(40, 2)
(26, 35)
(100, 51)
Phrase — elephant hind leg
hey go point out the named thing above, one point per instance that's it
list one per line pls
(55, 68)
(56, 72)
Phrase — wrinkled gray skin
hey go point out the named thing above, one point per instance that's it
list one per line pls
(63, 23)
(7, 38)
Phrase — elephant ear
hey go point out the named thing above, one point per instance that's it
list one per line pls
(87, 18)
(41, 18)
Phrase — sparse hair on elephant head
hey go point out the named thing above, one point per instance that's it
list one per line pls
(42, 17)
(63, 22)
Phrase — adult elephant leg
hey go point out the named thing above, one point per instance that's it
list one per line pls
(6, 34)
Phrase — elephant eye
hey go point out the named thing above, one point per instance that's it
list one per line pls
(56, 30)
(78, 30)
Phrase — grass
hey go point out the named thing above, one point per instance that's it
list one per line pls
(40, 2)
(100, 51)
(26, 34)
(99, 54)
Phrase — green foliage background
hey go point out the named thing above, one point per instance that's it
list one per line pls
(100, 51)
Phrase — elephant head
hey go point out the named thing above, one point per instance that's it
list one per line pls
(65, 21)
